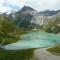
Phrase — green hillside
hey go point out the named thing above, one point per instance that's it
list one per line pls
(53, 26)
(55, 50)
(9, 32)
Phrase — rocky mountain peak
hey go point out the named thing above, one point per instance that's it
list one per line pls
(27, 8)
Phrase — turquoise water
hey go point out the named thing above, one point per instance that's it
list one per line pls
(35, 40)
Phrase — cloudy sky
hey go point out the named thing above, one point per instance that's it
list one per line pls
(39, 5)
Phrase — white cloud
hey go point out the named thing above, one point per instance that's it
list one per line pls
(4, 9)
(36, 4)
(7, 5)
(44, 4)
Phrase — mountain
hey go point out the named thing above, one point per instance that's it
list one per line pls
(23, 17)
(44, 17)
(49, 12)
(29, 18)
(10, 15)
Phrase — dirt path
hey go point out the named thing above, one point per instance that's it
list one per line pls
(42, 54)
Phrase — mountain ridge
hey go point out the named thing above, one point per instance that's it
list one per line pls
(29, 18)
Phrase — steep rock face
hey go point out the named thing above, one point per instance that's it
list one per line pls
(43, 20)
(40, 20)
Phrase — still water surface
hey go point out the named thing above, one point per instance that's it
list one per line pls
(35, 40)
